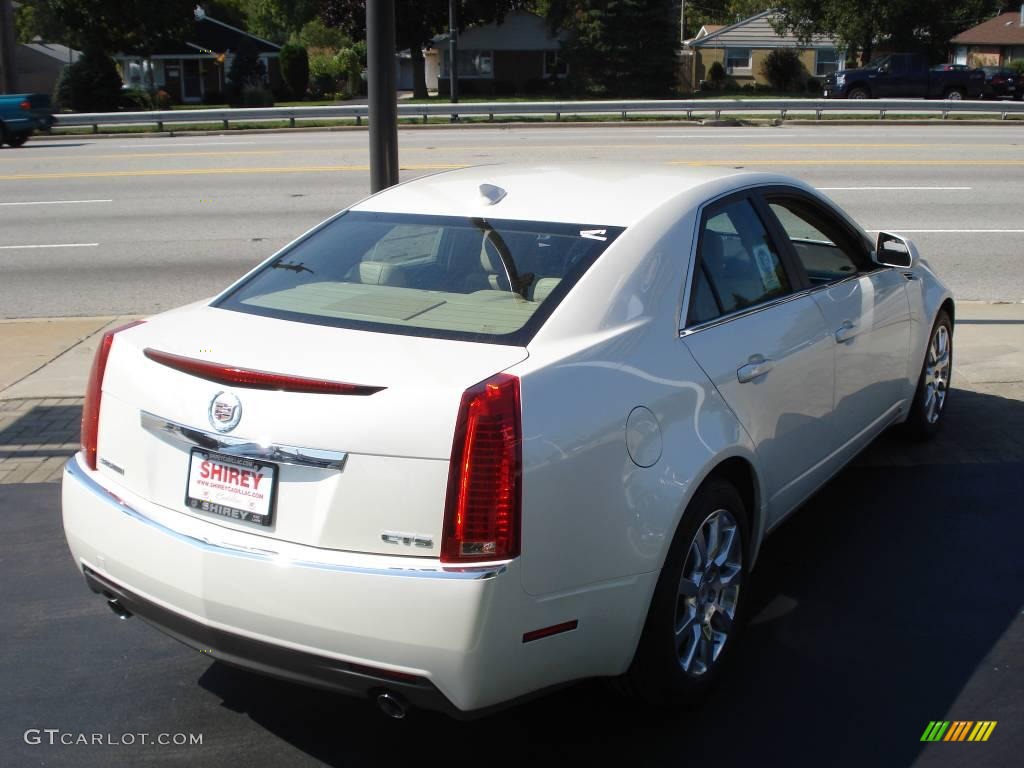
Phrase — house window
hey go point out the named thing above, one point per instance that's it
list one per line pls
(826, 61)
(472, 64)
(555, 65)
(737, 60)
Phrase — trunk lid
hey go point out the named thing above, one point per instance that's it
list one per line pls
(388, 495)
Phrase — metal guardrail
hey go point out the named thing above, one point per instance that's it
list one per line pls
(560, 109)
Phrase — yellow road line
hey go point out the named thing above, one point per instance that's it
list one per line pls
(215, 171)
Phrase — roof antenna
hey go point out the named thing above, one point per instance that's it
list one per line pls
(490, 194)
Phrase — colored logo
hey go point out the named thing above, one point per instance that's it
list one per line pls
(958, 730)
(225, 411)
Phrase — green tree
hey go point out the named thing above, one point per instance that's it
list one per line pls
(621, 48)
(921, 26)
(246, 72)
(294, 61)
(416, 23)
(122, 26)
(91, 84)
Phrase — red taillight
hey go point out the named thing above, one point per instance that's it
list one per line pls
(222, 373)
(94, 393)
(482, 511)
(26, 104)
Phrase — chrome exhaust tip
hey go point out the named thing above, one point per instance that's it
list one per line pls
(122, 613)
(392, 705)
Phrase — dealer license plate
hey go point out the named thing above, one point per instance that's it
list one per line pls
(231, 487)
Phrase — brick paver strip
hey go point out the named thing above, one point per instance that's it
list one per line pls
(37, 436)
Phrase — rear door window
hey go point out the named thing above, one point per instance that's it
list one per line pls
(738, 266)
(448, 277)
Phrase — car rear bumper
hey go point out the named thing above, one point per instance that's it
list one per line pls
(444, 639)
(266, 658)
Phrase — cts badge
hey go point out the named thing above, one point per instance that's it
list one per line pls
(225, 411)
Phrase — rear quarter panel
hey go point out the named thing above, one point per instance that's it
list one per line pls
(590, 514)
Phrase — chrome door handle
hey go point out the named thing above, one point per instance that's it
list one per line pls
(846, 332)
(753, 370)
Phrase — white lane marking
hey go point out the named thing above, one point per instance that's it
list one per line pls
(52, 245)
(951, 231)
(172, 143)
(58, 202)
(883, 189)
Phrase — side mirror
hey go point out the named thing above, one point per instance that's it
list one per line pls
(895, 251)
(884, 69)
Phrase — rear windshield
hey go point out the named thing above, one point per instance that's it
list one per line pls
(476, 279)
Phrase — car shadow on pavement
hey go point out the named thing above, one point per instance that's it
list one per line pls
(887, 602)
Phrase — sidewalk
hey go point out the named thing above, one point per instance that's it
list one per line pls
(46, 363)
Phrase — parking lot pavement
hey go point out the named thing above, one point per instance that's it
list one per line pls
(894, 598)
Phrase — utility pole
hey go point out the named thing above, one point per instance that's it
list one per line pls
(380, 55)
(453, 50)
(9, 83)
(682, 21)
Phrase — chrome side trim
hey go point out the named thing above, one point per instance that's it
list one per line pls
(74, 471)
(235, 446)
(722, 319)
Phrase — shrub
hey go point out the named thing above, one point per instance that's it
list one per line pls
(782, 68)
(1017, 64)
(136, 100)
(247, 70)
(324, 73)
(91, 84)
(257, 96)
(316, 34)
(294, 61)
(813, 85)
(162, 99)
(716, 73)
(214, 97)
(350, 70)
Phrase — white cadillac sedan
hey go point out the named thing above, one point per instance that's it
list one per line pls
(499, 429)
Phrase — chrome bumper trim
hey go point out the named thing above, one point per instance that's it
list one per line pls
(235, 446)
(74, 471)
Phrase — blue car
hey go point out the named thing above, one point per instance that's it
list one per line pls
(23, 113)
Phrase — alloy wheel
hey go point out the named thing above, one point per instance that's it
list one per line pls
(936, 374)
(708, 593)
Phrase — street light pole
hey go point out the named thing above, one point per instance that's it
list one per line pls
(453, 50)
(380, 55)
(9, 83)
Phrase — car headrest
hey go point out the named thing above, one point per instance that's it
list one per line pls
(542, 288)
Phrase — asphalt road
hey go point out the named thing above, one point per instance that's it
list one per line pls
(137, 225)
(891, 600)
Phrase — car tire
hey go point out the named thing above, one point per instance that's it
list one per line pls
(932, 394)
(954, 94)
(17, 139)
(696, 611)
(858, 93)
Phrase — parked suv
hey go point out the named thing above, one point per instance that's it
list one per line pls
(904, 75)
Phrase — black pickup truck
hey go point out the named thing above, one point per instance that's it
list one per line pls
(903, 76)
